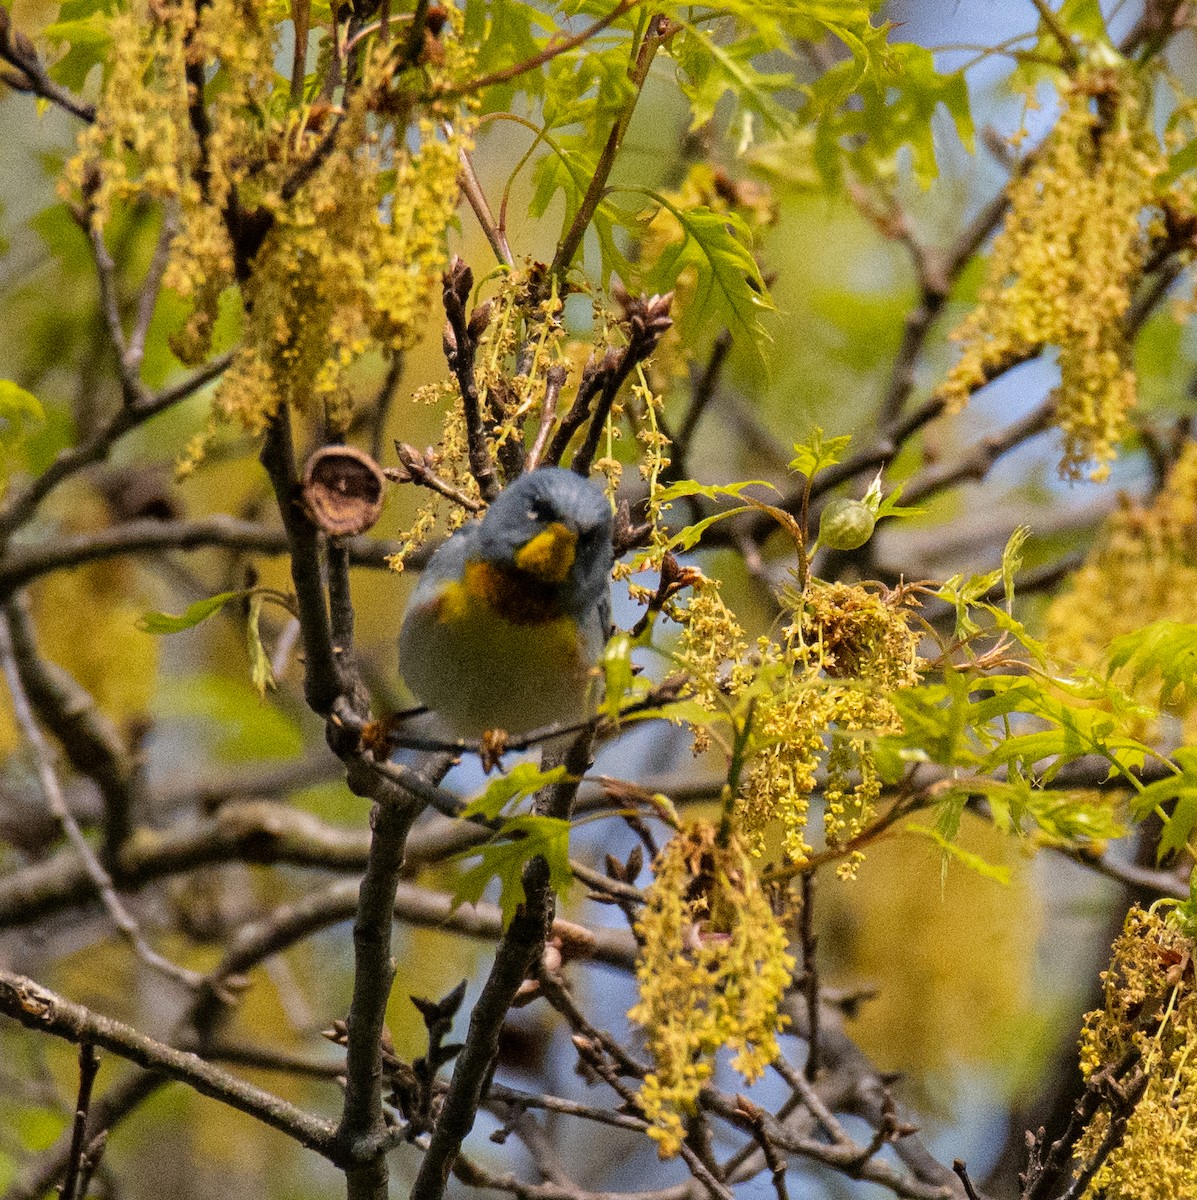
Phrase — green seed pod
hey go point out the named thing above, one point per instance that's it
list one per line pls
(845, 524)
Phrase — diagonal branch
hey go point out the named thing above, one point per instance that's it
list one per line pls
(557, 45)
(91, 742)
(18, 51)
(57, 804)
(44, 1011)
(658, 33)
(519, 951)
(21, 507)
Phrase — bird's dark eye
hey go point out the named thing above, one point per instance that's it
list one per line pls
(538, 511)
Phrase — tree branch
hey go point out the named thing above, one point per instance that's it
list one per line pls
(25, 563)
(92, 744)
(322, 682)
(518, 952)
(21, 507)
(42, 1010)
(656, 35)
(17, 50)
(460, 346)
(99, 877)
(374, 970)
(258, 832)
(557, 45)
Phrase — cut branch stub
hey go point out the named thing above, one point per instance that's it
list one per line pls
(342, 490)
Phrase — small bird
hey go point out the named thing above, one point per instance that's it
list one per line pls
(509, 619)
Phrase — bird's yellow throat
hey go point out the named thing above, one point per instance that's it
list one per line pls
(523, 594)
(550, 554)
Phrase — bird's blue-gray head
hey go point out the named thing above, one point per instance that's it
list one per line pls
(555, 526)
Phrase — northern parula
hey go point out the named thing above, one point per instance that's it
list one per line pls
(511, 614)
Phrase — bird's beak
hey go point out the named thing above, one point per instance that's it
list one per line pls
(550, 554)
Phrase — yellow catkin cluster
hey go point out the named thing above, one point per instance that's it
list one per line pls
(1151, 1007)
(1065, 264)
(450, 460)
(814, 698)
(712, 642)
(523, 341)
(847, 649)
(353, 252)
(1142, 568)
(713, 968)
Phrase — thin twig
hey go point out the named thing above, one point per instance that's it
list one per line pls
(556, 45)
(89, 1064)
(92, 743)
(976, 464)
(705, 387)
(1145, 302)
(108, 1110)
(561, 998)
(472, 1174)
(775, 1162)
(805, 1092)
(57, 805)
(147, 301)
(962, 1170)
(468, 180)
(649, 319)
(415, 468)
(17, 50)
(656, 35)
(849, 1158)
(810, 973)
(381, 408)
(1067, 50)
(106, 275)
(554, 380)
(92, 1154)
(594, 377)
